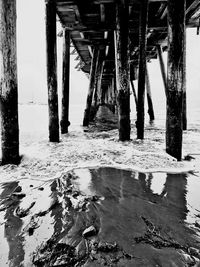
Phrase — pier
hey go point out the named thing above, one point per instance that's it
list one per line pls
(114, 41)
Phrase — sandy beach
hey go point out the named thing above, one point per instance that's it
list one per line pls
(91, 200)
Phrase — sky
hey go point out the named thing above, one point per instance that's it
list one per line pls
(31, 47)
(32, 61)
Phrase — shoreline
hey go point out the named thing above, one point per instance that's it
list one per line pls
(133, 181)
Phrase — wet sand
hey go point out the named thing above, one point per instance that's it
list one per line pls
(101, 217)
(91, 200)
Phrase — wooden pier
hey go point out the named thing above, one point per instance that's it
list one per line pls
(114, 40)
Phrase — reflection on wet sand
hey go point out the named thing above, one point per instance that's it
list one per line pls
(111, 217)
(13, 225)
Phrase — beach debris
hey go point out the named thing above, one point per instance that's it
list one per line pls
(90, 231)
(188, 157)
(41, 188)
(58, 255)
(153, 237)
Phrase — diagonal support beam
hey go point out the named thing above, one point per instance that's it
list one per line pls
(162, 67)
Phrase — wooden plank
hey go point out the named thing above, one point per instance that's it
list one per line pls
(142, 68)
(52, 70)
(64, 123)
(175, 77)
(8, 82)
(122, 70)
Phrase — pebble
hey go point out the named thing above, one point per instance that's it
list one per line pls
(90, 231)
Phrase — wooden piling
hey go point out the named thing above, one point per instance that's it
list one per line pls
(64, 123)
(184, 111)
(122, 69)
(184, 92)
(8, 83)
(142, 68)
(91, 86)
(175, 77)
(100, 89)
(149, 98)
(162, 67)
(52, 70)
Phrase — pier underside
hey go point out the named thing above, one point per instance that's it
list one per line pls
(113, 40)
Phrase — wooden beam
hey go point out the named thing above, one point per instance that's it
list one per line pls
(64, 123)
(142, 68)
(191, 8)
(52, 70)
(8, 83)
(175, 77)
(122, 70)
(91, 86)
(162, 67)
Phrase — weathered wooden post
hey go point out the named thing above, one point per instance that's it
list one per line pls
(64, 123)
(162, 67)
(91, 86)
(100, 89)
(8, 83)
(184, 92)
(52, 70)
(142, 68)
(149, 98)
(175, 77)
(122, 69)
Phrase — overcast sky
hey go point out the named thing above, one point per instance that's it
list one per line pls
(32, 60)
